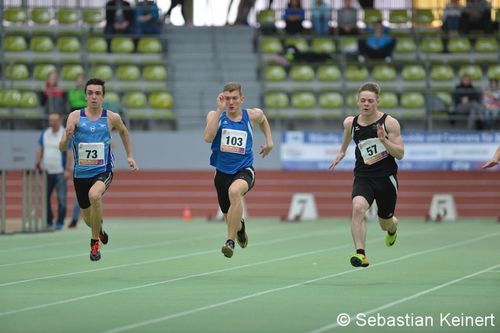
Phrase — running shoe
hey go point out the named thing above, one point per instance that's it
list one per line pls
(95, 254)
(103, 236)
(228, 249)
(241, 235)
(391, 239)
(359, 260)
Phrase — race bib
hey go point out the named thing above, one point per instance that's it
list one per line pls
(372, 151)
(91, 153)
(233, 141)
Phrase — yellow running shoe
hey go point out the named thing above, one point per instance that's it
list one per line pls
(359, 260)
(391, 239)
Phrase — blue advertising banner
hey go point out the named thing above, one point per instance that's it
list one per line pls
(423, 150)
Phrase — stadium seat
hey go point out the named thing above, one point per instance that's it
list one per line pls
(486, 45)
(413, 73)
(68, 44)
(323, 45)
(276, 100)
(330, 100)
(299, 42)
(432, 45)
(423, 16)
(11, 98)
(154, 73)
(271, 45)
(122, 45)
(29, 99)
(355, 73)
(161, 100)
(93, 16)
(406, 45)
(274, 73)
(442, 73)
(67, 16)
(15, 15)
(384, 73)
(348, 44)
(128, 73)
(97, 45)
(134, 100)
(303, 100)
(149, 45)
(388, 100)
(474, 71)
(41, 44)
(14, 43)
(328, 73)
(494, 72)
(351, 99)
(41, 15)
(301, 73)
(398, 16)
(266, 18)
(17, 72)
(412, 100)
(104, 72)
(70, 72)
(41, 71)
(459, 45)
(371, 16)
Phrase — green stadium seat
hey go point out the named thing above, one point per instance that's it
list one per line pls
(355, 73)
(442, 73)
(67, 16)
(459, 45)
(413, 73)
(486, 45)
(303, 100)
(348, 44)
(493, 72)
(301, 73)
(406, 45)
(274, 73)
(271, 45)
(323, 45)
(104, 72)
(266, 18)
(398, 16)
(29, 99)
(41, 15)
(41, 71)
(388, 100)
(154, 73)
(11, 98)
(135, 100)
(432, 45)
(384, 73)
(68, 44)
(330, 100)
(93, 16)
(412, 100)
(70, 72)
(276, 100)
(15, 43)
(122, 45)
(41, 44)
(161, 100)
(423, 16)
(299, 42)
(128, 73)
(148, 45)
(17, 72)
(112, 97)
(97, 45)
(15, 15)
(328, 73)
(474, 71)
(371, 16)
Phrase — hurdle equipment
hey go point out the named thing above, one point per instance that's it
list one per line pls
(34, 201)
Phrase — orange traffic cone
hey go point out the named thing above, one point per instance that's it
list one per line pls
(186, 214)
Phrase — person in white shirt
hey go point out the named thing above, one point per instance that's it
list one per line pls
(56, 166)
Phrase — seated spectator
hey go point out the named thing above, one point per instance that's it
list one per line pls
(147, 17)
(294, 16)
(76, 95)
(119, 17)
(347, 19)
(292, 55)
(491, 104)
(378, 45)
(53, 95)
(451, 17)
(477, 16)
(466, 100)
(320, 16)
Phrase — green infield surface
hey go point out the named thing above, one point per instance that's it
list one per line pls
(170, 276)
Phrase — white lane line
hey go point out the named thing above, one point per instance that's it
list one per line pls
(408, 298)
(152, 261)
(269, 291)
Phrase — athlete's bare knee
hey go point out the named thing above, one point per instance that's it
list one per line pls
(386, 224)
(234, 194)
(358, 208)
(94, 196)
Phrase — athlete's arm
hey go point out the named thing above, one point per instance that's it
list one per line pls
(213, 119)
(494, 160)
(71, 124)
(393, 142)
(257, 116)
(117, 123)
(346, 140)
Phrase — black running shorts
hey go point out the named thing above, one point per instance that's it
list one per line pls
(384, 190)
(83, 185)
(223, 181)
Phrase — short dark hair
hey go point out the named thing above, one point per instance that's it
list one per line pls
(370, 86)
(97, 82)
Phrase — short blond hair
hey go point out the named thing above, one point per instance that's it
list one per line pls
(233, 86)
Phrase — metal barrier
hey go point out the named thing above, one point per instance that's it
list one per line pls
(34, 201)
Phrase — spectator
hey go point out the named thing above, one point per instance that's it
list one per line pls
(452, 17)
(174, 4)
(477, 16)
(491, 103)
(76, 95)
(244, 8)
(147, 17)
(347, 19)
(56, 165)
(320, 17)
(378, 45)
(119, 17)
(294, 16)
(366, 4)
(53, 95)
(466, 103)
(291, 55)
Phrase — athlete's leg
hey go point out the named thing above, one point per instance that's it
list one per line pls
(358, 222)
(235, 213)
(95, 197)
(389, 225)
